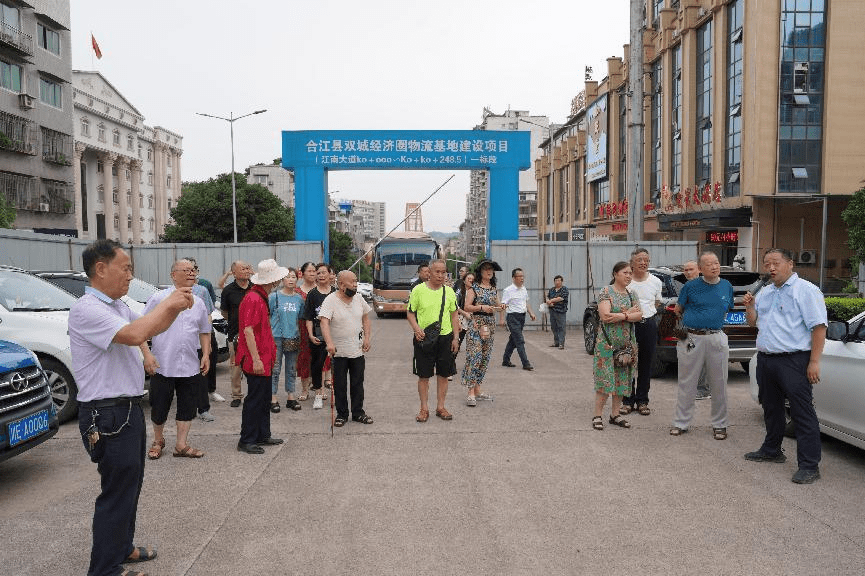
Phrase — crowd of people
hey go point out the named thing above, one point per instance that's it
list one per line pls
(285, 323)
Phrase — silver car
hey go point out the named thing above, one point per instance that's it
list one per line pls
(839, 397)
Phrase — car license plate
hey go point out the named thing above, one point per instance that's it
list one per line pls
(27, 428)
(735, 318)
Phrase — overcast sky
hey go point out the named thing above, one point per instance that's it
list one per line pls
(345, 64)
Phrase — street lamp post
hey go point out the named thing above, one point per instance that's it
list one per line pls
(231, 119)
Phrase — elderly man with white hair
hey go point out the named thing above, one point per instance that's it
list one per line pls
(346, 329)
(256, 355)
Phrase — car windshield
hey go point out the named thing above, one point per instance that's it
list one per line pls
(73, 284)
(396, 262)
(23, 292)
(140, 291)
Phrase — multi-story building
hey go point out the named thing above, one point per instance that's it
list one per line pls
(36, 146)
(127, 174)
(477, 201)
(276, 179)
(373, 214)
(754, 134)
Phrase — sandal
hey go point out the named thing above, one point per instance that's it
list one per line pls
(127, 572)
(719, 433)
(598, 423)
(144, 554)
(303, 397)
(156, 449)
(188, 452)
(644, 409)
(423, 415)
(444, 414)
(339, 422)
(619, 421)
(676, 431)
(274, 407)
(293, 404)
(363, 419)
(624, 410)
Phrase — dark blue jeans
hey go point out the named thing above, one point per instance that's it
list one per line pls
(780, 377)
(119, 455)
(557, 325)
(516, 321)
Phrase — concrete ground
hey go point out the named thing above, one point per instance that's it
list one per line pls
(519, 485)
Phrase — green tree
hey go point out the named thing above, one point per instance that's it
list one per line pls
(7, 213)
(854, 217)
(204, 214)
(341, 254)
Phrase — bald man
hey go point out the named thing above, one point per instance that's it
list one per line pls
(346, 328)
(229, 304)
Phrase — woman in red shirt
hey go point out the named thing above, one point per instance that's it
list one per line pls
(256, 354)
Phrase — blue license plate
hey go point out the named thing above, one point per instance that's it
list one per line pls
(735, 318)
(27, 428)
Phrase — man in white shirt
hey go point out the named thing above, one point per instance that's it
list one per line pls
(646, 290)
(516, 298)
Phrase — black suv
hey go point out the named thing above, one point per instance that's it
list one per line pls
(741, 337)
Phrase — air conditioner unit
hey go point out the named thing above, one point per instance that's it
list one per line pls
(807, 257)
(25, 101)
(702, 12)
(44, 207)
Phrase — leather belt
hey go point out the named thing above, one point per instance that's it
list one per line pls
(106, 402)
(773, 354)
(702, 331)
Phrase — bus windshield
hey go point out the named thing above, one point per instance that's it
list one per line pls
(396, 262)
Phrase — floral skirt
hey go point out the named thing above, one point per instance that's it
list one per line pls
(478, 351)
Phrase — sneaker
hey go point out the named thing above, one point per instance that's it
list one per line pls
(471, 401)
(318, 402)
(216, 397)
(703, 395)
(235, 403)
(760, 456)
(508, 364)
(206, 416)
(483, 396)
(806, 476)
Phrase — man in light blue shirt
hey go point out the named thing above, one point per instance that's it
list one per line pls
(791, 315)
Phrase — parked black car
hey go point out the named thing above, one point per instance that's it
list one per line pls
(742, 338)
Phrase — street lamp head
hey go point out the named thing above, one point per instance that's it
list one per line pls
(259, 111)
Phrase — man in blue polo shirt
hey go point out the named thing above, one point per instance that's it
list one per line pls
(703, 304)
(791, 315)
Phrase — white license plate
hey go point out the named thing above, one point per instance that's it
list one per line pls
(28, 427)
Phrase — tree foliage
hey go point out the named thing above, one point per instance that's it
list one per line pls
(7, 213)
(854, 217)
(341, 255)
(204, 214)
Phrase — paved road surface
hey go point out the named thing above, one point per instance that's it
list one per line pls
(520, 485)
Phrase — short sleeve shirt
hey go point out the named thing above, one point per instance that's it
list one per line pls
(176, 349)
(705, 304)
(786, 315)
(560, 293)
(102, 368)
(230, 300)
(647, 292)
(201, 292)
(346, 323)
(427, 304)
(254, 312)
(285, 312)
(314, 300)
(516, 299)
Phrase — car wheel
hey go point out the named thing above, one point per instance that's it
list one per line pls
(745, 365)
(64, 392)
(659, 367)
(590, 333)
(379, 314)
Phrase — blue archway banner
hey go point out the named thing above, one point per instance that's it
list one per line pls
(312, 153)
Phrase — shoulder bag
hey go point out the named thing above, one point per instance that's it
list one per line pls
(432, 332)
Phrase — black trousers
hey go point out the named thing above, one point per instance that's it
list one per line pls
(255, 419)
(119, 456)
(647, 339)
(208, 382)
(780, 377)
(319, 356)
(348, 371)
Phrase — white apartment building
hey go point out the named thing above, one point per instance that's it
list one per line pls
(373, 214)
(276, 179)
(127, 174)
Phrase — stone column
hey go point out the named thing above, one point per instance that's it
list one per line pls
(159, 205)
(76, 172)
(135, 167)
(123, 209)
(108, 187)
(176, 173)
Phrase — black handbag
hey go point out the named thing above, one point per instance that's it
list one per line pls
(432, 332)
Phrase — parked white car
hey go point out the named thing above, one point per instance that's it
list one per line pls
(839, 397)
(365, 290)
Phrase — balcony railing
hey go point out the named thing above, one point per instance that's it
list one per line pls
(56, 147)
(20, 191)
(11, 36)
(17, 134)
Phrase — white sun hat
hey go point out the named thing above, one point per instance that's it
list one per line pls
(268, 272)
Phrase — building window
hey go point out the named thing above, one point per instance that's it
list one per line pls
(9, 18)
(129, 197)
(800, 130)
(623, 146)
(563, 192)
(262, 179)
(100, 193)
(139, 150)
(129, 222)
(152, 224)
(168, 160)
(150, 201)
(51, 93)
(550, 191)
(48, 39)
(169, 203)
(85, 127)
(676, 122)
(130, 142)
(116, 137)
(128, 174)
(656, 13)
(10, 76)
(19, 133)
(703, 116)
(114, 198)
(113, 169)
(56, 147)
(150, 178)
(116, 221)
(168, 182)
(655, 138)
(149, 154)
(602, 191)
(100, 167)
(141, 200)
(735, 14)
(100, 135)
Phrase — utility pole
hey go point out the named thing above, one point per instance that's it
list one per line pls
(634, 189)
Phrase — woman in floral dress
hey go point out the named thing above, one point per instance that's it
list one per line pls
(618, 310)
(483, 303)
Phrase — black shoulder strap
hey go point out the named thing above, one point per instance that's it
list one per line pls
(442, 311)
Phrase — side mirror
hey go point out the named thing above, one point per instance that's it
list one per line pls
(837, 331)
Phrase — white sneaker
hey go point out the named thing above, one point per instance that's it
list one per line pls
(216, 397)
(317, 403)
(207, 416)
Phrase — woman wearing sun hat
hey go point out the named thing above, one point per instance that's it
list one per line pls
(482, 302)
(256, 354)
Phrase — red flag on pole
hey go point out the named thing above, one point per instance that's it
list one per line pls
(96, 49)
